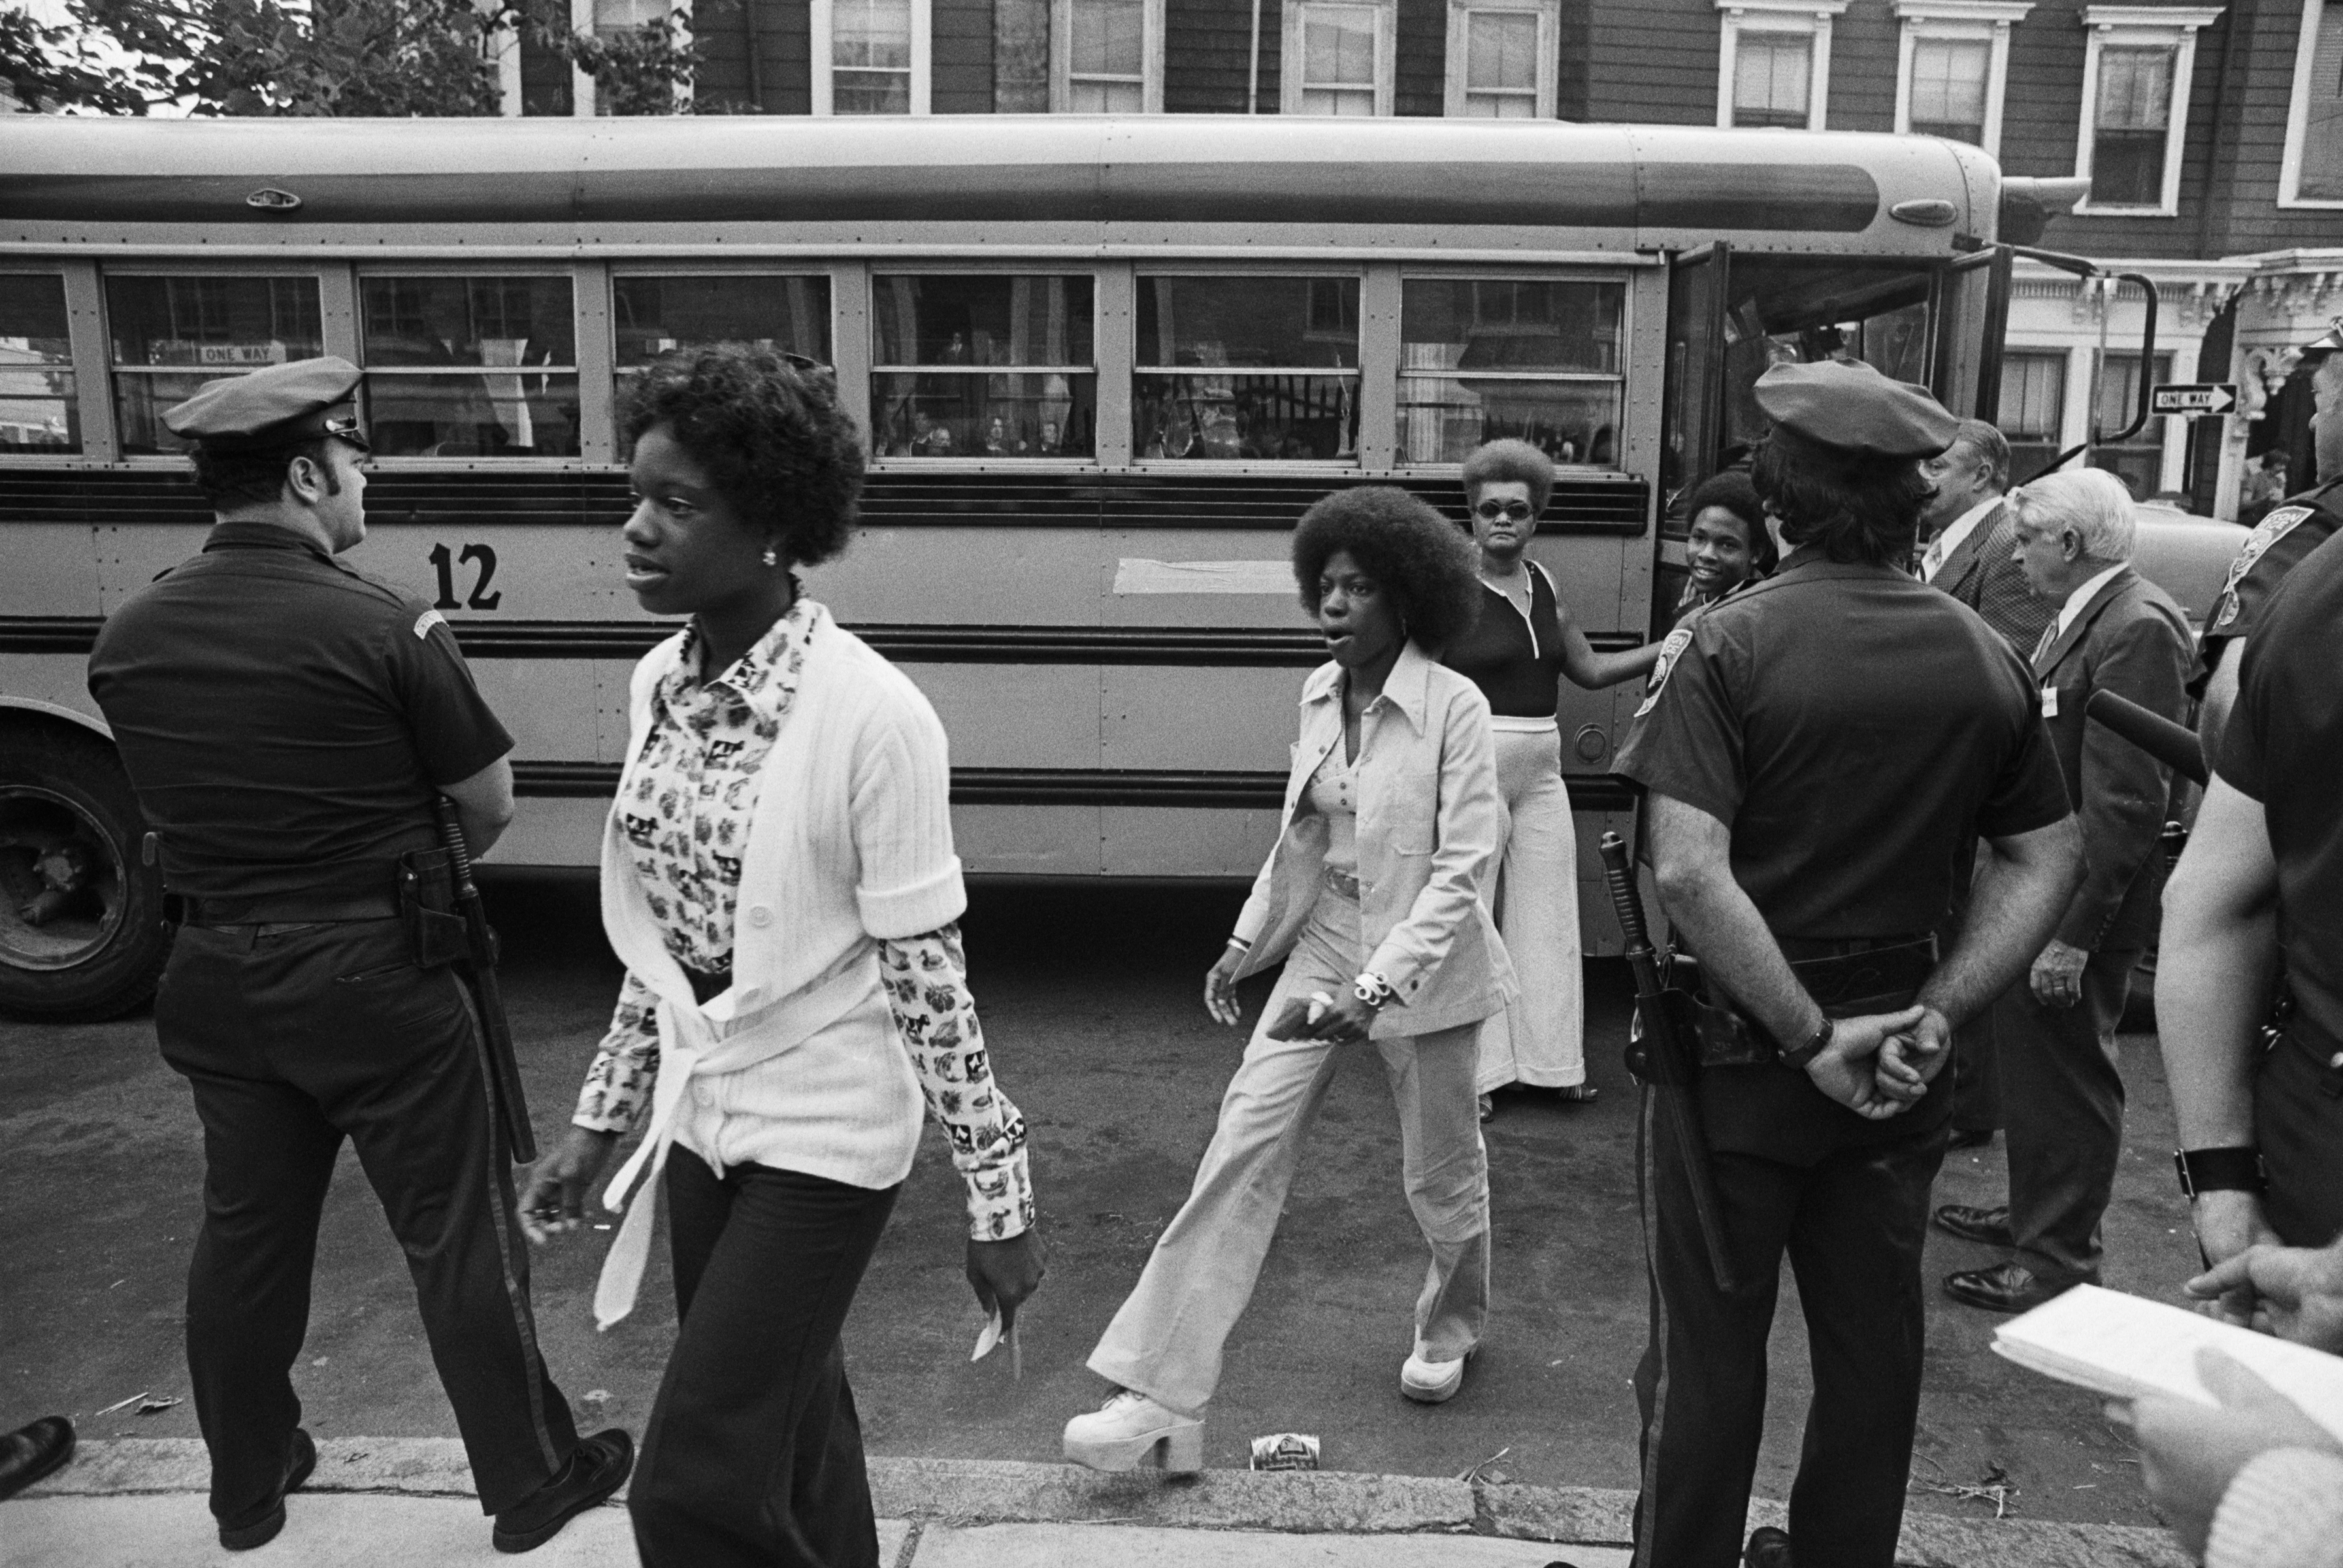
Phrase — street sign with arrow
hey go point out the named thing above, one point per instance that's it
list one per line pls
(2193, 398)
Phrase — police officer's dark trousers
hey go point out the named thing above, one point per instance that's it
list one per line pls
(1852, 1215)
(2063, 1107)
(753, 1454)
(293, 1038)
(2298, 1123)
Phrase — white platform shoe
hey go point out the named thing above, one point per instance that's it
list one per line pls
(1430, 1381)
(1131, 1431)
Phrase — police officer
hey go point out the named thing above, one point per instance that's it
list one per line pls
(286, 722)
(2259, 1110)
(1823, 752)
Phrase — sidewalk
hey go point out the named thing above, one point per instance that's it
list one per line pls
(391, 1503)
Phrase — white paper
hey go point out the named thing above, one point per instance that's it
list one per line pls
(987, 1337)
(1135, 575)
(2126, 1346)
(2049, 702)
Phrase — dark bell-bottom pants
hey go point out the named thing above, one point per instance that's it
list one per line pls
(753, 1455)
(294, 1037)
(1853, 1222)
(2063, 1100)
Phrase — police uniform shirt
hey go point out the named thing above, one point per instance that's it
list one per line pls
(285, 719)
(1859, 731)
(2283, 746)
(2276, 545)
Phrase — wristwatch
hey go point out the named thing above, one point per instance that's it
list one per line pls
(2236, 1169)
(1816, 1043)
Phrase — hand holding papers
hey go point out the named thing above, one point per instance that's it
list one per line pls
(991, 1336)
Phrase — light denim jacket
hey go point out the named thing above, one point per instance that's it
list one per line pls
(1427, 834)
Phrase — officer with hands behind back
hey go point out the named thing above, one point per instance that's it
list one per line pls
(288, 724)
(1822, 752)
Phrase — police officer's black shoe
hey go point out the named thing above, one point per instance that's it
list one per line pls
(597, 1467)
(33, 1451)
(1768, 1548)
(2004, 1287)
(1987, 1227)
(262, 1527)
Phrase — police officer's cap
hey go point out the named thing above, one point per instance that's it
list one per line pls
(1848, 405)
(273, 406)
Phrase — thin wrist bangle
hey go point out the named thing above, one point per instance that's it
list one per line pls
(1241, 945)
(1371, 989)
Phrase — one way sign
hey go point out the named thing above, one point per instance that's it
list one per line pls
(2193, 398)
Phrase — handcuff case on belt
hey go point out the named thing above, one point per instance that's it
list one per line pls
(426, 905)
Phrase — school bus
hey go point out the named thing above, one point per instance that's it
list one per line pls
(1102, 363)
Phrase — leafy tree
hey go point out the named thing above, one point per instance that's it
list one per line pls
(395, 58)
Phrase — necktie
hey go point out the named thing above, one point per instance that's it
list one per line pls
(1932, 559)
(2049, 636)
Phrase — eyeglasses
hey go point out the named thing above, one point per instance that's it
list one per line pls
(1513, 511)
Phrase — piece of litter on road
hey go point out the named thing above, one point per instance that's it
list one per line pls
(1285, 1450)
(124, 1403)
(1016, 1354)
(321, 1360)
(162, 1401)
(596, 1396)
(121, 1282)
(601, 1226)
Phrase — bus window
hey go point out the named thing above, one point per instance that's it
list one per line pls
(1785, 311)
(650, 316)
(517, 394)
(171, 334)
(38, 412)
(1247, 366)
(1485, 358)
(984, 366)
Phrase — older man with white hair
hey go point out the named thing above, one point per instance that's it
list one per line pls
(2062, 1094)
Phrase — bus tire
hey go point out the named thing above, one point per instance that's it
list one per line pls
(81, 920)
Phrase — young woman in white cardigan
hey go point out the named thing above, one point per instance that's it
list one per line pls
(1371, 898)
(778, 876)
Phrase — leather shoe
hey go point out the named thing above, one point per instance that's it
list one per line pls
(32, 1452)
(1768, 1548)
(2004, 1288)
(263, 1527)
(1987, 1227)
(597, 1467)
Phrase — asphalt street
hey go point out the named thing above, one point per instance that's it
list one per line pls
(1092, 998)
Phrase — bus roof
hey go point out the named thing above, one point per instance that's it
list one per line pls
(274, 187)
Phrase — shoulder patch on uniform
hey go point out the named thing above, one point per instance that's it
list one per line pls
(1670, 650)
(426, 620)
(2267, 532)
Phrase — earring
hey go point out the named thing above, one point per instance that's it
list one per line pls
(772, 557)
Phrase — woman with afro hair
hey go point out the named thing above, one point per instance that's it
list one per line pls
(1372, 900)
(778, 877)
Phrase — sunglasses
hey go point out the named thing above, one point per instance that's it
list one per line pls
(1515, 511)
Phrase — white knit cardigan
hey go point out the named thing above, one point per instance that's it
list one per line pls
(797, 1065)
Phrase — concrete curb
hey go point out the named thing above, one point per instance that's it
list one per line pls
(1330, 1502)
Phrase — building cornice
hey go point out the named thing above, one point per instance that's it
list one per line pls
(2002, 12)
(1793, 8)
(2170, 18)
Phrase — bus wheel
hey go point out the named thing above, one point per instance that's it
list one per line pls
(81, 928)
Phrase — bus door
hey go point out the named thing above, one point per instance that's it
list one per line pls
(1972, 319)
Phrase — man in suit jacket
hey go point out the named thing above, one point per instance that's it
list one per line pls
(2054, 1031)
(1971, 554)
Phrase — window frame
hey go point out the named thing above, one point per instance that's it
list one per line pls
(79, 330)
(1960, 21)
(1811, 17)
(591, 352)
(1061, 57)
(1130, 367)
(2298, 117)
(339, 337)
(823, 61)
(871, 367)
(1401, 373)
(2173, 27)
(1458, 88)
(1291, 59)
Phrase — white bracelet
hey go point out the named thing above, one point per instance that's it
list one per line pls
(1371, 989)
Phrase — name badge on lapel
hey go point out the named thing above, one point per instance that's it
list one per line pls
(2049, 702)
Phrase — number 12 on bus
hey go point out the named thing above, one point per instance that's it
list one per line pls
(1103, 364)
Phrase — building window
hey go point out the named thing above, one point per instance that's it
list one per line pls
(171, 334)
(984, 366)
(2313, 171)
(878, 57)
(2138, 462)
(2136, 76)
(1340, 57)
(1106, 57)
(38, 409)
(1501, 63)
(469, 366)
(2033, 407)
(1773, 64)
(1535, 359)
(1246, 367)
(1955, 63)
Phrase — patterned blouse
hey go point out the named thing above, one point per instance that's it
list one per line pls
(688, 821)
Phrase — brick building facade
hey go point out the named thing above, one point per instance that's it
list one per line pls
(2212, 133)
